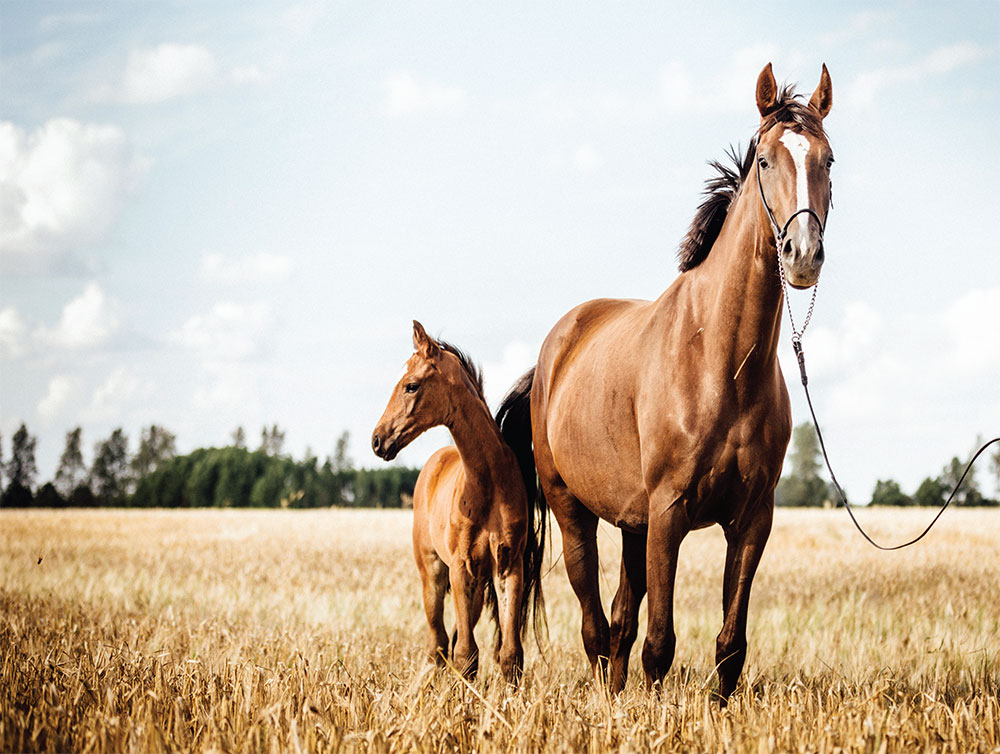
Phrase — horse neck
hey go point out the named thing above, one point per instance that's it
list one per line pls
(739, 279)
(476, 434)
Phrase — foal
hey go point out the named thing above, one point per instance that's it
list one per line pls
(473, 525)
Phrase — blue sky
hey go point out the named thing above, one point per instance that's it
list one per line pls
(219, 214)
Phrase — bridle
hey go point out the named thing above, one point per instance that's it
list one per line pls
(779, 237)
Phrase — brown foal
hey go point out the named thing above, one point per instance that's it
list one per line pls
(473, 526)
(670, 415)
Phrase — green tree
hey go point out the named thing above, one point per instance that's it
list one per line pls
(21, 468)
(968, 492)
(71, 470)
(156, 445)
(341, 461)
(48, 497)
(803, 485)
(888, 492)
(239, 438)
(110, 470)
(272, 440)
(931, 492)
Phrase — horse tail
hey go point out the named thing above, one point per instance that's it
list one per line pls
(514, 419)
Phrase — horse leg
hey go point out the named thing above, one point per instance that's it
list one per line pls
(743, 551)
(579, 534)
(466, 590)
(511, 655)
(667, 527)
(625, 608)
(434, 583)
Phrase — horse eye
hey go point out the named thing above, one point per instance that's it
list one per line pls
(762, 162)
(829, 163)
(411, 387)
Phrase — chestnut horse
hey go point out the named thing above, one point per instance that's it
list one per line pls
(671, 415)
(473, 527)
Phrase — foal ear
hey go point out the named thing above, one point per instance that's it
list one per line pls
(822, 99)
(767, 91)
(423, 342)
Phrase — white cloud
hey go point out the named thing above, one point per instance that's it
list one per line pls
(230, 331)
(302, 18)
(167, 71)
(12, 333)
(256, 268)
(726, 90)
(404, 94)
(518, 357)
(61, 188)
(233, 390)
(89, 320)
(123, 388)
(587, 159)
(60, 391)
(858, 24)
(249, 74)
(971, 327)
(940, 61)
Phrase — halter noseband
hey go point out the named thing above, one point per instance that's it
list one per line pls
(779, 233)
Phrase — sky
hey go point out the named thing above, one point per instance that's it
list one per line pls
(216, 215)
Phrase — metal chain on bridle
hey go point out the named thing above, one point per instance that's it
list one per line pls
(779, 237)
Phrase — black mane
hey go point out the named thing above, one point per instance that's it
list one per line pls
(473, 370)
(721, 190)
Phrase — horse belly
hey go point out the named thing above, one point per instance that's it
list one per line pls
(596, 455)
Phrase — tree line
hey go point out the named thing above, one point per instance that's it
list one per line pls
(231, 476)
(235, 476)
(803, 485)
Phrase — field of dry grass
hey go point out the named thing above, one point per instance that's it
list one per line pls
(240, 631)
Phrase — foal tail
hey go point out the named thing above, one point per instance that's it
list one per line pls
(514, 419)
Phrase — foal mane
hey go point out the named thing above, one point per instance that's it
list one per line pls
(473, 370)
(721, 189)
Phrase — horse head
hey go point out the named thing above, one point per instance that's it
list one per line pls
(793, 174)
(423, 395)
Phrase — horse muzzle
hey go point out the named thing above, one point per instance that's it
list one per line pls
(384, 446)
(802, 253)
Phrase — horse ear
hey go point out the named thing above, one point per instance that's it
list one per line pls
(423, 342)
(767, 91)
(822, 99)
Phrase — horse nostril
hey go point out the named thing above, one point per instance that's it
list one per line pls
(376, 443)
(820, 254)
(787, 249)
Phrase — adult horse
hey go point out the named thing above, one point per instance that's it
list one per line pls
(671, 415)
(474, 528)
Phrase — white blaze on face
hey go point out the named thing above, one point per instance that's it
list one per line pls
(798, 147)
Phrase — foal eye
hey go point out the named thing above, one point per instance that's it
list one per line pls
(411, 387)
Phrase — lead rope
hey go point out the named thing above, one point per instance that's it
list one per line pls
(801, 357)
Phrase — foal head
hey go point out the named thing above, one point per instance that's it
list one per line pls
(424, 396)
(793, 166)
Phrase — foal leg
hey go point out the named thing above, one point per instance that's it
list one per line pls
(467, 591)
(579, 534)
(625, 608)
(668, 525)
(511, 655)
(434, 582)
(743, 551)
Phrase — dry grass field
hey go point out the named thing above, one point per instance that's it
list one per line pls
(302, 631)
